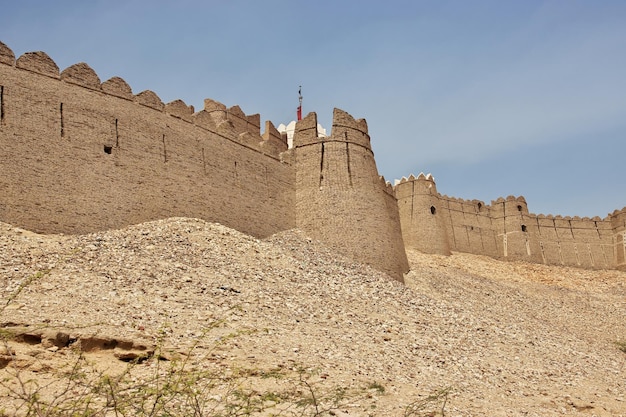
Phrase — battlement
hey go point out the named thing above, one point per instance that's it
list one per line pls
(82, 74)
(344, 129)
(103, 157)
(420, 177)
(386, 186)
(618, 220)
(38, 62)
(306, 131)
(231, 123)
(347, 129)
(107, 157)
(7, 56)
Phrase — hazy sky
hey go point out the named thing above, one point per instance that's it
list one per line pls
(494, 98)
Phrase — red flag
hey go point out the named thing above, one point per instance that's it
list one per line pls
(300, 106)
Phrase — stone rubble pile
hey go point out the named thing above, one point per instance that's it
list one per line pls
(509, 338)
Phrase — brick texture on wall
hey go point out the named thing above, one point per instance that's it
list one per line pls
(78, 155)
(505, 229)
(77, 159)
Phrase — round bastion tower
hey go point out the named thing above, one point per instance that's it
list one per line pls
(423, 224)
(340, 198)
(518, 230)
(618, 224)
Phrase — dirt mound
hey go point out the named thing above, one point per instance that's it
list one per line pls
(506, 338)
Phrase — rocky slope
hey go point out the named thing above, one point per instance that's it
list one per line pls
(507, 338)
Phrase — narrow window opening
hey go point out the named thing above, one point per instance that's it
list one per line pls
(348, 161)
(2, 104)
(164, 149)
(519, 208)
(117, 136)
(108, 149)
(322, 165)
(203, 162)
(433, 210)
(523, 228)
(62, 126)
(480, 206)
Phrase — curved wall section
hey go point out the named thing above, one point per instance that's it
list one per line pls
(421, 215)
(78, 155)
(506, 230)
(341, 200)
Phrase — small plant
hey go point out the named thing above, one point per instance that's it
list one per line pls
(169, 385)
(22, 286)
(431, 406)
(161, 384)
(377, 387)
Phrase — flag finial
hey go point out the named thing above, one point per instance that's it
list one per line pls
(299, 112)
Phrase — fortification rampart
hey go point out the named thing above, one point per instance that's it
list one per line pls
(618, 224)
(80, 155)
(506, 229)
(341, 199)
(418, 204)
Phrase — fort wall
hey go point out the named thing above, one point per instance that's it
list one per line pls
(420, 208)
(340, 198)
(505, 229)
(79, 156)
(618, 224)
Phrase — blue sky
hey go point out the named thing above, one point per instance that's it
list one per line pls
(494, 98)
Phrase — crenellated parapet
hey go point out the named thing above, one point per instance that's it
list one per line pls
(387, 186)
(38, 62)
(179, 109)
(273, 141)
(618, 226)
(306, 131)
(150, 99)
(338, 188)
(82, 74)
(117, 87)
(346, 128)
(505, 228)
(7, 57)
(231, 123)
(423, 217)
(102, 157)
(618, 220)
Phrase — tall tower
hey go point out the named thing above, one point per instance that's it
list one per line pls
(340, 198)
(423, 226)
(618, 224)
(518, 231)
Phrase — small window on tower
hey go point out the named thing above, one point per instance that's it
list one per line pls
(108, 149)
(519, 208)
(433, 210)
(523, 228)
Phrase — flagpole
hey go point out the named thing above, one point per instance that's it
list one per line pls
(300, 106)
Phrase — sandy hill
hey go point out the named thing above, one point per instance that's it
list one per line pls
(506, 338)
